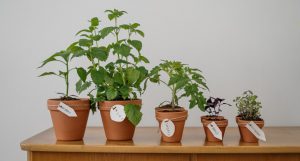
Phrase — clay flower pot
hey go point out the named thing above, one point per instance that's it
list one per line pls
(246, 135)
(117, 130)
(69, 128)
(210, 117)
(177, 117)
(222, 124)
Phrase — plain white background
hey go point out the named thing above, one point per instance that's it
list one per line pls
(238, 45)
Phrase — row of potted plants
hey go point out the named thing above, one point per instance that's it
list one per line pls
(115, 79)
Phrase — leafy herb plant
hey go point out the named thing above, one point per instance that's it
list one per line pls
(63, 57)
(183, 81)
(122, 77)
(248, 106)
(213, 106)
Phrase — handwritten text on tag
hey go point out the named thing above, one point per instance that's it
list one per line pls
(167, 127)
(256, 131)
(117, 113)
(67, 110)
(215, 130)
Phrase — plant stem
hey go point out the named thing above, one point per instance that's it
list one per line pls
(173, 97)
(67, 79)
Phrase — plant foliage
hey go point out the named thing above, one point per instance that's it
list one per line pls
(213, 106)
(183, 81)
(248, 106)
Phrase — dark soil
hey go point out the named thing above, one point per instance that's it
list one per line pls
(168, 108)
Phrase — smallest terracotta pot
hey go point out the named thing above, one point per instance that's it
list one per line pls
(246, 134)
(222, 124)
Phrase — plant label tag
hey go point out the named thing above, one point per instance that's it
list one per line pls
(215, 130)
(117, 113)
(67, 110)
(256, 131)
(167, 127)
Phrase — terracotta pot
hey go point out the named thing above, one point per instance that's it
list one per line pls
(210, 117)
(222, 124)
(69, 128)
(117, 130)
(237, 118)
(178, 118)
(246, 135)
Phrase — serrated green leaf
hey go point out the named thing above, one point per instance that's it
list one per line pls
(99, 53)
(135, 25)
(82, 86)
(125, 90)
(174, 79)
(98, 76)
(132, 75)
(136, 44)
(106, 31)
(85, 42)
(95, 21)
(123, 50)
(118, 78)
(82, 74)
(111, 93)
(133, 113)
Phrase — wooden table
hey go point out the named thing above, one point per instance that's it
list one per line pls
(283, 143)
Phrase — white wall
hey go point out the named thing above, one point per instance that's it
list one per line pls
(238, 44)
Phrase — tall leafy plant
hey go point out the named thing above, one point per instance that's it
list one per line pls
(63, 57)
(182, 81)
(122, 77)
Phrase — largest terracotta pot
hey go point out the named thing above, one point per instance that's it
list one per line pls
(69, 128)
(117, 130)
(177, 117)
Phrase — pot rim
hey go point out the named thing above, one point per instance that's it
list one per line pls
(52, 104)
(116, 102)
(220, 123)
(245, 122)
(183, 115)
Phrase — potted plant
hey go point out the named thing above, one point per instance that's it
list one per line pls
(67, 127)
(213, 108)
(182, 81)
(249, 110)
(118, 82)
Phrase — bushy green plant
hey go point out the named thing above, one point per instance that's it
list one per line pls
(248, 106)
(63, 57)
(183, 81)
(120, 79)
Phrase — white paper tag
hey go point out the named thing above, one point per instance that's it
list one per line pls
(67, 110)
(167, 127)
(117, 113)
(215, 130)
(256, 131)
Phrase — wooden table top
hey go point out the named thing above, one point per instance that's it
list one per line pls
(147, 140)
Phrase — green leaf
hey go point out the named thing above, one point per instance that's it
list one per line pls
(84, 30)
(133, 113)
(106, 31)
(144, 59)
(125, 26)
(174, 79)
(136, 44)
(135, 25)
(47, 73)
(125, 90)
(85, 42)
(82, 74)
(118, 78)
(111, 93)
(140, 33)
(124, 50)
(132, 75)
(82, 86)
(95, 21)
(99, 53)
(98, 76)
